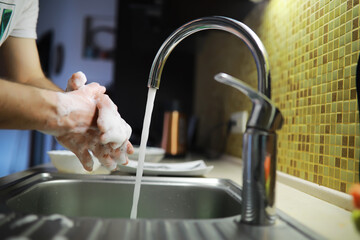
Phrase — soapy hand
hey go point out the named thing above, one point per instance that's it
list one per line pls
(107, 135)
(115, 132)
(76, 81)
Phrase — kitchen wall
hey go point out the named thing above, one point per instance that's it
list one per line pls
(313, 48)
(67, 22)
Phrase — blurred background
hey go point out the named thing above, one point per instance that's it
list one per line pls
(114, 43)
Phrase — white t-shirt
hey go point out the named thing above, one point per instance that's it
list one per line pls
(18, 18)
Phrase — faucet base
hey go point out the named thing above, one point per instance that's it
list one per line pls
(258, 195)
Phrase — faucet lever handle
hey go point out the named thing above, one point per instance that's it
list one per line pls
(265, 115)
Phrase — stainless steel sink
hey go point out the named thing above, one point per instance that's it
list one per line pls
(43, 204)
(109, 197)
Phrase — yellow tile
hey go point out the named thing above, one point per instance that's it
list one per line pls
(355, 12)
(348, 26)
(313, 81)
(348, 16)
(355, 46)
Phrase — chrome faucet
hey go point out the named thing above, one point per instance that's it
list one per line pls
(259, 149)
(259, 155)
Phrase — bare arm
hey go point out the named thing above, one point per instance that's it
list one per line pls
(20, 104)
(28, 100)
(19, 61)
(23, 93)
(27, 107)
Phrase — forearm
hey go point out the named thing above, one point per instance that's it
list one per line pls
(19, 62)
(44, 83)
(27, 107)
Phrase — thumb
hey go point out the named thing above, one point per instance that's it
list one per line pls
(76, 81)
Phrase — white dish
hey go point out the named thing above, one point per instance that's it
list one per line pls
(152, 154)
(193, 168)
(67, 162)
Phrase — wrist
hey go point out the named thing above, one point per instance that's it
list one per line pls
(51, 124)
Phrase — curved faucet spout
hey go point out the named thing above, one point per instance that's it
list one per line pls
(259, 156)
(237, 28)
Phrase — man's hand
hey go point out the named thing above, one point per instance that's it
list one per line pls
(107, 134)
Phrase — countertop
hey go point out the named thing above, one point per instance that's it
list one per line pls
(326, 219)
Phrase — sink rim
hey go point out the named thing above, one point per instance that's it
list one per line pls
(32, 179)
(29, 183)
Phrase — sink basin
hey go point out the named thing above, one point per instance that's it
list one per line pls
(43, 204)
(167, 198)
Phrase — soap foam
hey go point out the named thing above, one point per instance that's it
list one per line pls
(115, 130)
(76, 81)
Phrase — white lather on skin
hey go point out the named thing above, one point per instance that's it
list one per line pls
(115, 130)
(77, 83)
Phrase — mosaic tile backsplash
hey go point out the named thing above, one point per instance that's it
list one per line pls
(314, 48)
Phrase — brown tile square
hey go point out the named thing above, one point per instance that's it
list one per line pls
(327, 129)
(337, 162)
(344, 140)
(355, 35)
(333, 97)
(351, 153)
(339, 118)
(325, 56)
(340, 85)
(351, 141)
(353, 94)
(349, 4)
(343, 187)
(355, 23)
(344, 152)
